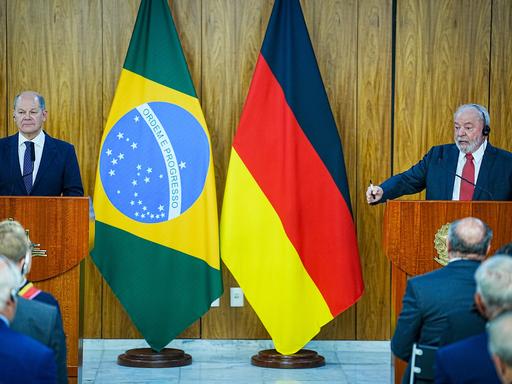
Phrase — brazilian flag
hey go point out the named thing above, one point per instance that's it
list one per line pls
(156, 230)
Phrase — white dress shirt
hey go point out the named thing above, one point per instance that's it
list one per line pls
(38, 149)
(478, 155)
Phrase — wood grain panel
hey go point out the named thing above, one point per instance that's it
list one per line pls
(232, 37)
(437, 68)
(333, 30)
(373, 160)
(500, 107)
(72, 52)
(120, 17)
(43, 38)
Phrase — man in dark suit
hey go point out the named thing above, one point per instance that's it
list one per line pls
(468, 360)
(429, 297)
(22, 359)
(500, 345)
(41, 322)
(469, 169)
(31, 161)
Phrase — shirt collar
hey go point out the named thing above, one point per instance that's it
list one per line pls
(477, 155)
(4, 319)
(38, 140)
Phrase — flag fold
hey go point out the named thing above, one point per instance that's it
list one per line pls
(156, 229)
(287, 231)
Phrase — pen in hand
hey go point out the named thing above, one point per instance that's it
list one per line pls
(371, 189)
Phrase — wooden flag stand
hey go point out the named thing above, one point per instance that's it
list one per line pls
(148, 358)
(304, 358)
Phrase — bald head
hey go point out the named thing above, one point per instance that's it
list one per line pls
(469, 238)
(29, 113)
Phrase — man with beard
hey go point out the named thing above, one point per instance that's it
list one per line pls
(469, 169)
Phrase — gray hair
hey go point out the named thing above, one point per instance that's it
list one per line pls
(469, 236)
(494, 283)
(10, 280)
(500, 337)
(14, 243)
(40, 98)
(482, 112)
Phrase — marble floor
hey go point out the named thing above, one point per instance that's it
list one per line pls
(228, 362)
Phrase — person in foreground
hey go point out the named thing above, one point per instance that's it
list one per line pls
(31, 161)
(429, 297)
(500, 345)
(34, 317)
(493, 296)
(469, 169)
(22, 359)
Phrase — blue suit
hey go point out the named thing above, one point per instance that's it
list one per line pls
(58, 172)
(436, 172)
(43, 323)
(467, 361)
(427, 301)
(24, 360)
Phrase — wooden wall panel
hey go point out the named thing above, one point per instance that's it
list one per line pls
(333, 30)
(72, 52)
(442, 61)
(373, 160)
(232, 37)
(500, 106)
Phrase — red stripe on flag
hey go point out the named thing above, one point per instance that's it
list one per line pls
(290, 173)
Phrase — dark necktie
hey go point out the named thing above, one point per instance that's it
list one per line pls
(468, 173)
(28, 165)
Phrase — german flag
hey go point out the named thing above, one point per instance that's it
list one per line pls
(287, 232)
(156, 229)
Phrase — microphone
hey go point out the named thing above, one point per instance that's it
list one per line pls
(440, 158)
(33, 153)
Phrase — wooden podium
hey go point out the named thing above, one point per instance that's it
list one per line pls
(59, 226)
(409, 231)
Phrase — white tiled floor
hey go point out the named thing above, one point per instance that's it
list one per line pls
(228, 362)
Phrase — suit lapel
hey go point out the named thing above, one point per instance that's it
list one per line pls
(450, 164)
(16, 172)
(47, 157)
(482, 183)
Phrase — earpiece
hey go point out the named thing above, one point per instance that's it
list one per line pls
(487, 129)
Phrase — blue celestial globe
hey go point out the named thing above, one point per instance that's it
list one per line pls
(154, 162)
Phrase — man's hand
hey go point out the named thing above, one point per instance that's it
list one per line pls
(374, 194)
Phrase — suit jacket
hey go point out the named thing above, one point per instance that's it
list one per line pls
(436, 172)
(24, 360)
(43, 323)
(467, 361)
(58, 172)
(463, 323)
(428, 299)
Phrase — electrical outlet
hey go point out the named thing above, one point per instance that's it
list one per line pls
(236, 297)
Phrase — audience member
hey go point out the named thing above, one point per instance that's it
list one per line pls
(493, 296)
(505, 250)
(500, 345)
(429, 297)
(15, 245)
(34, 316)
(22, 359)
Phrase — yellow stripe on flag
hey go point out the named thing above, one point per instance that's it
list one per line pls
(182, 232)
(267, 265)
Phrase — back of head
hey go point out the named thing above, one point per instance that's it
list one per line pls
(500, 337)
(505, 250)
(469, 238)
(10, 280)
(14, 243)
(494, 283)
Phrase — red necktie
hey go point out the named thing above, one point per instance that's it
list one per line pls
(468, 173)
